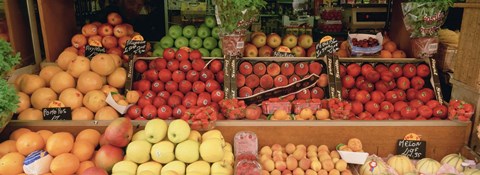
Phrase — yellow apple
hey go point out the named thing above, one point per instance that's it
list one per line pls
(187, 151)
(199, 167)
(121, 173)
(139, 135)
(146, 172)
(126, 166)
(138, 151)
(229, 158)
(155, 130)
(175, 166)
(162, 152)
(195, 136)
(178, 131)
(211, 150)
(228, 147)
(169, 173)
(212, 134)
(221, 168)
(151, 166)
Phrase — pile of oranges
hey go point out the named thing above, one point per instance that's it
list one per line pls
(390, 50)
(71, 155)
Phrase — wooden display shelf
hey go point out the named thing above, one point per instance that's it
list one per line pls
(378, 137)
(19, 31)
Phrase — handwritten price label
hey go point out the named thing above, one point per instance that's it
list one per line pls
(135, 47)
(57, 113)
(412, 149)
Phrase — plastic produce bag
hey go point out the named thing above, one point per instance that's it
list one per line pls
(424, 19)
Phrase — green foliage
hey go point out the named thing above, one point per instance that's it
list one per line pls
(7, 58)
(423, 18)
(237, 14)
(8, 101)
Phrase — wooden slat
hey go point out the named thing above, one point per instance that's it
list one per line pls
(19, 30)
(467, 5)
(57, 19)
(398, 32)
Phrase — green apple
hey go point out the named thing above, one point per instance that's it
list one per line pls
(211, 150)
(202, 25)
(220, 44)
(126, 166)
(199, 167)
(195, 136)
(178, 131)
(155, 130)
(157, 45)
(181, 42)
(158, 52)
(187, 151)
(176, 166)
(166, 42)
(175, 31)
(189, 31)
(150, 166)
(204, 52)
(221, 168)
(138, 151)
(203, 32)
(217, 52)
(210, 21)
(209, 43)
(162, 152)
(216, 33)
(195, 42)
(139, 135)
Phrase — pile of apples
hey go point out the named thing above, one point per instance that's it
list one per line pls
(112, 35)
(176, 149)
(395, 91)
(172, 84)
(261, 45)
(299, 159)
(256, 77)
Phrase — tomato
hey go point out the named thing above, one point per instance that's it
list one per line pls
(440, 112)
(381, 115)
(400, 105)
(432, 104)
(387, 107)
(425, 111)
(409, 113)
(372, 107)
(395, 115)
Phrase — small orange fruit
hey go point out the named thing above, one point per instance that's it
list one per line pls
(90, 135)
(58, 143)
(45, 134)
(7, 146)
(322, 114)
(83, 149)
(12, 163)
(399, 54)
(84, 166)
(17, 133)
(385, 54)
(29, 142)
(390, 46)
(65, 163)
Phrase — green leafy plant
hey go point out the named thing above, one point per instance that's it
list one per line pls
(8, 59)
(423, 18)
(237, 14)
(8, 95)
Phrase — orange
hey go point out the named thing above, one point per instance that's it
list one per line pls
(90, 135)
(45, 134)
(64, 164)
(7, 146)
(390, 46)
(385, 54)
(58, 143)
(399, 54)
(83, 150)
(84, 166)
(17, 133)
(322, 114)
(29, 142)
(11, 163)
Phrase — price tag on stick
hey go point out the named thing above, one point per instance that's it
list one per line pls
(327, 45)
(135, 46)
(64, 113)
(91, 51)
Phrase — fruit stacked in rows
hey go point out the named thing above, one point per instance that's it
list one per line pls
(112, 35)
(305, 114)
(299, 159)
(261, 45)
(392, 91)
(235, 109)
(76, 82)
(256, 77)
(176, 149)
(172, 84)
(460, 110)
(43, 151)
(204, 38)
(390, 49)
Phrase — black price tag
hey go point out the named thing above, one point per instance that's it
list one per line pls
(135, 47)
(413, 149)
(327, 45)
(64, 113)
(282, 54)
(91, 51)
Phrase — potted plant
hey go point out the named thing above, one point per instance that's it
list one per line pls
(8, 95)
(234, 17)
(423, 19)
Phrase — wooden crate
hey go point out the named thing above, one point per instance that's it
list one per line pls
(378, 137)
(19, 30)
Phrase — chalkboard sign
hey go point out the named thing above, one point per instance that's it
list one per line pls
(413, 149)
(135, 47)
(91, 51)
(327, 45)
(64, 113)
(282, 54)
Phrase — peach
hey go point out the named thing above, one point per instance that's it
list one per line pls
(316, 165)
(298, 171)
(277, 158)
(89, 30)
(290, 148)
(259, 69)
(273, 69)
(265, 157)
(105, 30)
(312, 148)
(266, 82)
(266, 150)
(323, 152)
(265, 51)
(268, 165)
(240, 80)
(322, 172)
(286, 172)
(277, 147)
(293, 78)
(346, 172)
(299, 154)
(292, 163)
(265, 172)
(304, 163)
(334, 172)
(284, 155)
(310, 172)
(317, 93)
(312, 154)
(258, 90)
(341, 165)
(277, 153)
(334, 154)
(301, 147)
(245, 92)
(114, 18)
(79, 41)
(323, 148)
(301, 69)
(280, 80)
(109, 42)
(324, 157)
(327, 165)
(245, 68)
(280, 165)
(287, 68)
(120, 31)
(275, 172)
(315, 68)
(304, 94)
(252, 81)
